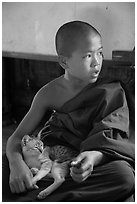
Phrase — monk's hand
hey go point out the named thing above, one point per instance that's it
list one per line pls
(82, 165)
(20, 177)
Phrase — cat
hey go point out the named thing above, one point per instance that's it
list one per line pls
(47, 161)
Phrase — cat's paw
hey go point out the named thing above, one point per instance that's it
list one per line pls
(42, 195)
(34, 171)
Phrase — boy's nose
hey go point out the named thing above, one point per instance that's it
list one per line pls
(95, 60)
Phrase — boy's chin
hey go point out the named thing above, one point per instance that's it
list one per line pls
(93, 80)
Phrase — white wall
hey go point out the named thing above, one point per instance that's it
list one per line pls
(30, 27)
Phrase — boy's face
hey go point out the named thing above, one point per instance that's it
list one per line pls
(86, 61)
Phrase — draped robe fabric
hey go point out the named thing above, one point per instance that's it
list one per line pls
(95, 119)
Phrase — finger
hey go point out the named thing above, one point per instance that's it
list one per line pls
(35, 186)
(76, 177)
(81, 177)
(76, 164)
(76, 170)
(86, 177)
(86, 166)
(12, 188)
(34, 181)
(77, 160)
(22, 187)
(16, 187)
(28, 182)
(86, 174)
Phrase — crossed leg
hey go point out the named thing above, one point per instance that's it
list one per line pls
(111, 182)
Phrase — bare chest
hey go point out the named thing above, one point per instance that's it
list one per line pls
(62, 96)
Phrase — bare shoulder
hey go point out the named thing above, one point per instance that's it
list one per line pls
(57, 92)
(49, 95)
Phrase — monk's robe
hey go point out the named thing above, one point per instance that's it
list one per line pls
(95, 119)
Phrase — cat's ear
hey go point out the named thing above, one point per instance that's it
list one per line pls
(33, 136)
(39, 135)
(25, 140)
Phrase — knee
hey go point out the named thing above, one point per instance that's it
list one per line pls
(128, 182)
(125, 176)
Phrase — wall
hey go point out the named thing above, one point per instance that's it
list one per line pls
(30, 27)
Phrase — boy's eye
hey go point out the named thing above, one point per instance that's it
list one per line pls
(90, 55)
(87, 56)
(100, 53)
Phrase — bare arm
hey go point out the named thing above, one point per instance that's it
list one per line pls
(27, 125)
(20, 175)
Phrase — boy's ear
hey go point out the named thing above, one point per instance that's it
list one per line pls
(63, 61)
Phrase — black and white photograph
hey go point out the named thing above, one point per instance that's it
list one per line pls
(68, 101)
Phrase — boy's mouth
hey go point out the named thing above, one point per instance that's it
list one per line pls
(95, 73)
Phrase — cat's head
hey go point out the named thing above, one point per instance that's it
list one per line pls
(31, 142)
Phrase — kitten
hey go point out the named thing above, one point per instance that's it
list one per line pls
(47, 161)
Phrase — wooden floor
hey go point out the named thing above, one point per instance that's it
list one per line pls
(6, 132)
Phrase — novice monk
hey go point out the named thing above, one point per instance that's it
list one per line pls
(106, 172)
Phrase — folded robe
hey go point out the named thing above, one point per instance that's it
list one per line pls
(95, 119)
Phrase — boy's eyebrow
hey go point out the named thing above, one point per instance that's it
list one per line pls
(100, 48)
(96, 50)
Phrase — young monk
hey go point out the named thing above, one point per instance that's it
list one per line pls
(106, 172)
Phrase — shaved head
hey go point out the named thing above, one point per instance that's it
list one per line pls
(70, 34)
